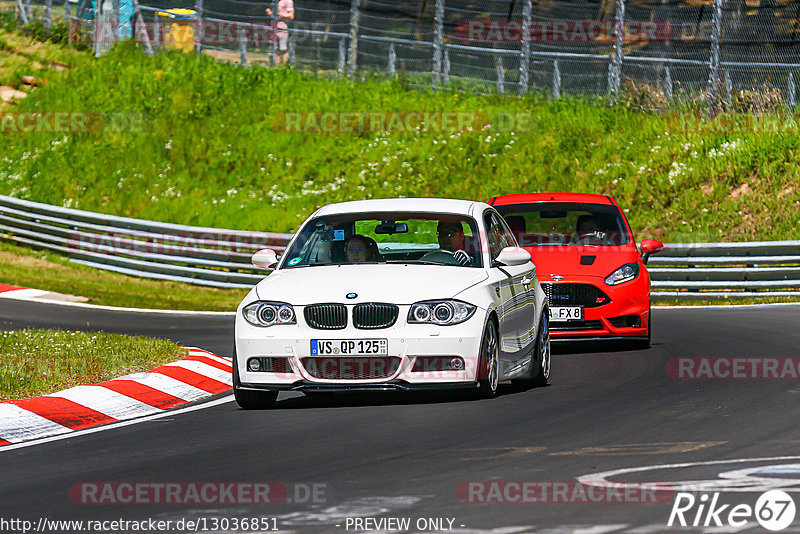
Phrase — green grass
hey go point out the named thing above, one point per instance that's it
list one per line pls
(37, 362)
(24, 54)
(212, 155)
(51, 272)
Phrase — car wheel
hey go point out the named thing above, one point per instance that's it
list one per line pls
(489, 362)
(250, 400)
(539, 371)
(542, 377)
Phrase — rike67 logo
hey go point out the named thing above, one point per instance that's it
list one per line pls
(774, 510)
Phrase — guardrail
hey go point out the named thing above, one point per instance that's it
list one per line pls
(204, 256)
(221, 258)
(725, 270)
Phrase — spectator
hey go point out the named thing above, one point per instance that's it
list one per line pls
(285, 12)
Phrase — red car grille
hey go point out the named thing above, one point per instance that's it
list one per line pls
(344, 368)
(585, 295)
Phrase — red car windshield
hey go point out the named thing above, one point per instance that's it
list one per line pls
(566, 223)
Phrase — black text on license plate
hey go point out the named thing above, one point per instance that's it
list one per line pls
(349, 347)
(566, 313)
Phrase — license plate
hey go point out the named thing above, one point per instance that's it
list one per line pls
(349, 347)
(566, 313)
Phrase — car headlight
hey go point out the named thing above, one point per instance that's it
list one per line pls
(627, 272)
(441, 312)
(261, 313)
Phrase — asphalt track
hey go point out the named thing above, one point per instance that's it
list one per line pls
(405, 456)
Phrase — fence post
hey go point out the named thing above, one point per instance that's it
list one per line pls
(790, 92)
(156, 33)
(292, 48)
(615, 69)
(713, 62)
(48, 13)
(242, 46)
(728, 89)
(198, 26)
(446, 67)
(525, 53)
(667, 82)
(438, 40)
(141, 28)
(556, 80)
(67, 10)
(341, 56)
(273, 49)
(352, 60)
(501, 75)
(392, 61)
(23, 14)
(28, 9)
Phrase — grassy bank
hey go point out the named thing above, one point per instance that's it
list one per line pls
(51, 272)
(212, 154)
(37, 362)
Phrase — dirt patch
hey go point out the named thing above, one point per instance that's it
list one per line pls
(740, 191)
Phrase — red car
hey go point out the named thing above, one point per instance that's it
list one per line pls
(587, 262)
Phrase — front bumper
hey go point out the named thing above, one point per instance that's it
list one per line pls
(630, 299)
(405, 342)
(393, 385)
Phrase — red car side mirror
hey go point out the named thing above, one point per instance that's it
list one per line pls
(649, 247)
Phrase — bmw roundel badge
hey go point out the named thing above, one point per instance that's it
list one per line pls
(351, 295)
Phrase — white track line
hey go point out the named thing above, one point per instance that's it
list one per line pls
(106, 401)
(19, 425)
(70, 435)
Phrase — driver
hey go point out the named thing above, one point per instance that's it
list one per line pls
(451, 239)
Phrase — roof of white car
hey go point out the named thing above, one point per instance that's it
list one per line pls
(423, 205)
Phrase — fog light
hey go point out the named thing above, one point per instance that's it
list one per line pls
(456, 364)
(253, 364)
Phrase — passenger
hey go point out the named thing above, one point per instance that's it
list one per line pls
(360, 249)
(451, 239)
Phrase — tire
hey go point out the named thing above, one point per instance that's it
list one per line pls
(489, 362)
(539, 371)
(250, 400)
(543, 354)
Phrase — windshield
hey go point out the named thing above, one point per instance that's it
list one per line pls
(416, 238)
(575, 224)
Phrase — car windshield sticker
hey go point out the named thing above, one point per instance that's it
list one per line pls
(338, 235)
(295, 261)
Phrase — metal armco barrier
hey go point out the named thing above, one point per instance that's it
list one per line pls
(724, 270)
(221, 258)
(204, 256)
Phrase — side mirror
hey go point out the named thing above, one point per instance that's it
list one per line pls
(266, 258)
(650, 247)
(512, 256)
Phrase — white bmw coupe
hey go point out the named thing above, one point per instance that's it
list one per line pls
(395, 294)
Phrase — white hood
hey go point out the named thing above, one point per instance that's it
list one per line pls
(397, 284)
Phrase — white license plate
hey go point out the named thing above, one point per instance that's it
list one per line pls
(349, 347)
(566, 313)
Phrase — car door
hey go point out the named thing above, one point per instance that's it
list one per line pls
(513, 285)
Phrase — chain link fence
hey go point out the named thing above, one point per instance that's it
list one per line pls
(738, 55)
